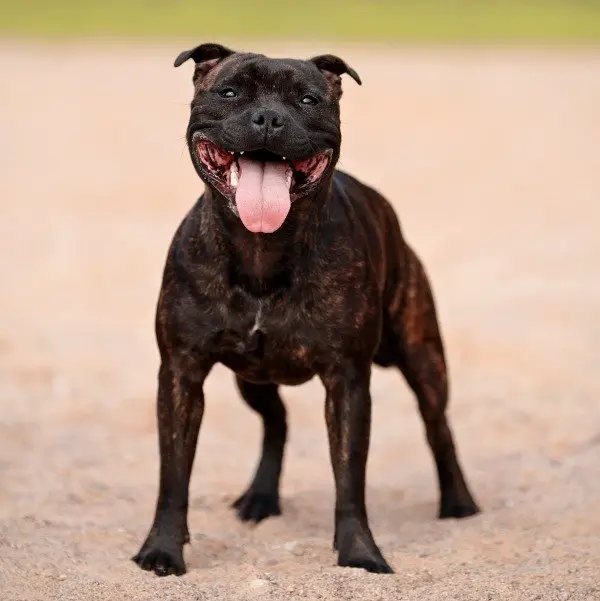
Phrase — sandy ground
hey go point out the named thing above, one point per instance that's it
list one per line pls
(493, 162)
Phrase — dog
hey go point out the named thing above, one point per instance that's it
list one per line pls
(285, 269)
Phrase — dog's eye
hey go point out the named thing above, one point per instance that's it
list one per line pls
(227, 93)
(308, 99)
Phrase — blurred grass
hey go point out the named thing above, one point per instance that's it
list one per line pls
(427, 21)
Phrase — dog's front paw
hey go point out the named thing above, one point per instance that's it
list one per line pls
(370, 560)
(255, 507)
(162, 559)
(357, 549)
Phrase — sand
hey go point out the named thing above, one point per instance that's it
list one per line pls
(492, 159)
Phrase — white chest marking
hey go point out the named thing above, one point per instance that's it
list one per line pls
(257, 319)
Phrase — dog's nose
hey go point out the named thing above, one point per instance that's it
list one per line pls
(264, 119)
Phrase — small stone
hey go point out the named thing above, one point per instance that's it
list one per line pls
(294, 548)
(62, 577)
(258, 583)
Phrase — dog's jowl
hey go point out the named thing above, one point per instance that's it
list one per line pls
(286, 269)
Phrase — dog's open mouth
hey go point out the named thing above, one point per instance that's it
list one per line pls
(261, 183)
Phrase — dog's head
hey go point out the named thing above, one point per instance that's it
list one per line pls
(264, 132)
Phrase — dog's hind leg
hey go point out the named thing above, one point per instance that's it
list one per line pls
(412, 342)
(261, 500)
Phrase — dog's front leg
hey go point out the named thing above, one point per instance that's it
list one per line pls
(180, 406)
(348, 416)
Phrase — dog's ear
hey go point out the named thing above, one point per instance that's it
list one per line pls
(333, 67)
(206, 57)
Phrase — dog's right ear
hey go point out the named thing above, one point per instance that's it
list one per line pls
(206, 57)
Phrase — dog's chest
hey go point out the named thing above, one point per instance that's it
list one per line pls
(257, 324)
(264, 342)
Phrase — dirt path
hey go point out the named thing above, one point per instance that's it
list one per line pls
(493, 162)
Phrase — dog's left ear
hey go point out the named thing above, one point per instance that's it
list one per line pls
(206, 57)
(333, 67)
(336, 66)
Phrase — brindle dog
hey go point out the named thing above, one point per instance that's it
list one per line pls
(286, 269)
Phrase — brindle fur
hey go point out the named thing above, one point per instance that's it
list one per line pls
(333, 291)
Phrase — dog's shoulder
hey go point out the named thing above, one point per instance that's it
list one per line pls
(366, 203)
(187, 242)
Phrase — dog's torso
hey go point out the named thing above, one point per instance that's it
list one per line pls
(284, 319)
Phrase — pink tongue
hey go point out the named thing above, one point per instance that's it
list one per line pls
(263, 195)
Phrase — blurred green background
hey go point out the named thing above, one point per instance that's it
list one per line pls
(425, 21)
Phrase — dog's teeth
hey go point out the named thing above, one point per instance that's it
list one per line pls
(234, 178)
(241, 152)
(284, 159)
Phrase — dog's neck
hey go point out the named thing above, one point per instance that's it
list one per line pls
(263, 263)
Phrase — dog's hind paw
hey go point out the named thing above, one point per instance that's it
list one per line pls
(458, 510)
(255, 507)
